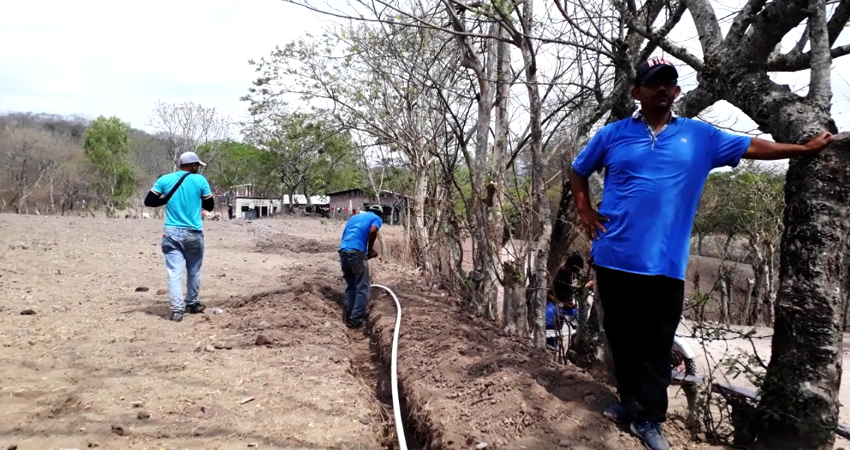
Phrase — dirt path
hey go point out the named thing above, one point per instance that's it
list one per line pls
(97, 365)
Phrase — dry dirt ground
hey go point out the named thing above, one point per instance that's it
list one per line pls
(97, 364)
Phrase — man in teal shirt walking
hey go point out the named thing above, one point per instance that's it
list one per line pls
(184, 193)
(356, 247)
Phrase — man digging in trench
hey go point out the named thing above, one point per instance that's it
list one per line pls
(358, 246)
(656, 165)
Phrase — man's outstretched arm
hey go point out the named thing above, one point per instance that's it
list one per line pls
(765, 150)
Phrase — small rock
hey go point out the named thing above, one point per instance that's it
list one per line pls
(161, 291)
(120, 431)
(93, 444)
(262, 339)
(209, 348)
(12, 447)
(481, 446)
(253, 445)
(246, 400)
(142, 289)
(222, 346)
(326, 324)
(199, 431)
(27, 312)
(564, 443)
(144, 415)
(137, 404)
(217, 311)
(263, 325)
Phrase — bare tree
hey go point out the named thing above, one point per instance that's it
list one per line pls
(184, 126)
(27, 155)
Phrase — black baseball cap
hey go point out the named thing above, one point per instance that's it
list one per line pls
(655, 68)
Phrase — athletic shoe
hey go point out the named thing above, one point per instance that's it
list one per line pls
(650, 433)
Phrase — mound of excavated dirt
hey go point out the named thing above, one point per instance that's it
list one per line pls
(467, 385)
(281, 243)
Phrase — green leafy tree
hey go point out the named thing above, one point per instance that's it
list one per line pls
(236, 163)
(107, 148)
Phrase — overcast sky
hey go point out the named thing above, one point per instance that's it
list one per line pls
(95, 57)
(109, 57)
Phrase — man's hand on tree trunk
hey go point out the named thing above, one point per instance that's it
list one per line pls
(819, 142)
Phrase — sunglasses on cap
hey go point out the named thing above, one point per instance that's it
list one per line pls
(654, 84)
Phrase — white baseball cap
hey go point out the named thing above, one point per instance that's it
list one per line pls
(190, 158)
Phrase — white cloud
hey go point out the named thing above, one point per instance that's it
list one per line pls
(96, 57)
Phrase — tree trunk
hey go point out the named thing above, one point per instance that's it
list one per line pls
(540, 200)
(769, 285)
(515, 298)
(800, 391)
(754, 303)
(563, 233)
(724, 297)
(700, 241)
(497, 167)
(727, 244)
(419, 232)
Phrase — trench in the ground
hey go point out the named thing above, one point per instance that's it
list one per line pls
(372, 366)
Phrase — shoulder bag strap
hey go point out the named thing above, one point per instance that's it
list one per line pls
(174, 189)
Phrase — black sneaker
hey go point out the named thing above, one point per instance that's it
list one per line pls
(197, 308)
(618, 413)
(176, 316)
(354, 325)
(650, 433)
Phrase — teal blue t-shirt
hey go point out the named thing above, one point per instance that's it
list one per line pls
(651, 190)
(183, 210)
(356, 233)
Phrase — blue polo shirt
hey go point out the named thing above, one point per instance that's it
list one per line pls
(355, 236)
(652, 187)
(183, 210)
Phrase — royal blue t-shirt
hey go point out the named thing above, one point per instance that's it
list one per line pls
(652, 187)
(183, 210)
(355, 236)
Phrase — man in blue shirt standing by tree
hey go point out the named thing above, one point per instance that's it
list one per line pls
(656, 165)
(357, 246)
(184, 193)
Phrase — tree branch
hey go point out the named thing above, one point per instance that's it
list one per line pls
(694, 102)
(796, 63)
(838, 20)
(707, 25)
(743, 21)
(667, 45)
(768, 29)
(665, 30)
(820, 90)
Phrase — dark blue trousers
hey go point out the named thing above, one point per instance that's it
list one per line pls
(355, 270)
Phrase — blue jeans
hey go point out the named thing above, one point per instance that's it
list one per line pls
(355, 270)
(183, 249)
